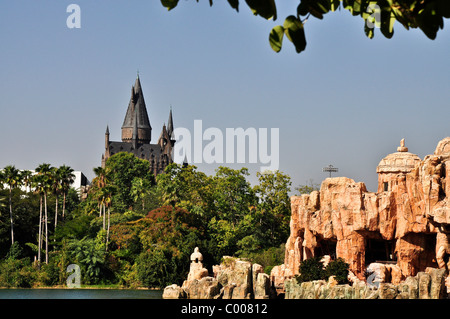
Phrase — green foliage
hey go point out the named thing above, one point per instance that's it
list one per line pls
(273, 209)
(121, 169)
(307, 188)
(339, 269)
(90, 255)
(312, 269)
(221, 214)
(159, 267)
(268, 258)
(426, 15)
(17, 273)
(15, 252)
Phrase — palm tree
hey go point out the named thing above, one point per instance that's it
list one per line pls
(45, 170)
(100, 182)
(67, 179)
(38, 185)
(26, 176)
(11, 176)
(140, 189)
(108, 201)
(56, 188)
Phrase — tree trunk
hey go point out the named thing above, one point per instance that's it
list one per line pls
(46, 228)
(64, 205)
(11, 216)
(104, 216)
(56, 211)
(40, 231)
(107, 232)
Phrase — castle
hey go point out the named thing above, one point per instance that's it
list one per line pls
(137, 134)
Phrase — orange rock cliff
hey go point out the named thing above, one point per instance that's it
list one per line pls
(404, 225)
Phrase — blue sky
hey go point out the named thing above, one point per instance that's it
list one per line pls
(347, 100)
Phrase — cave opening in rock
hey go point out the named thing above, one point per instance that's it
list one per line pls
(380, 250)
(326, 247)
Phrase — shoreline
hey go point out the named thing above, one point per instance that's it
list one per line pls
(81, 288)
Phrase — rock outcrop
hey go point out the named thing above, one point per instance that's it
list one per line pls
(405, 224)
(425, 285)
(232, 279)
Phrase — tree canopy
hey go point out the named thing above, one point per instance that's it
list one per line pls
(132, 230)
(427, 15)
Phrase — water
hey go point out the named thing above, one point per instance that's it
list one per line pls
(79, 294)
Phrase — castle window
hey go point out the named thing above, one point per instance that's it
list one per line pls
(385, 186)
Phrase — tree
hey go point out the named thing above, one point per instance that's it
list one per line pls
(26, 177)
(11, 176)
(100, 183)
(45, 171)
(38, 185)
(56, 186)
(90, 255)
(185, 187)
(274, 207)
(233, 195)
(120, 170)
(140, 189)
(307, 188)
(424, 14)
(67, 179)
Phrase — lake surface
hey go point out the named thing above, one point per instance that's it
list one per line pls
(80, 294)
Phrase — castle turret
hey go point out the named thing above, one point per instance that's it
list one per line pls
(137, 115)
(107, 137)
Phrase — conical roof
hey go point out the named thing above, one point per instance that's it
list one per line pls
(137, 104)
(170, 124)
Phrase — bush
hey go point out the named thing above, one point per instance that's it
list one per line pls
(160, 267)
(17, 274)
(339, 269)
(268, 258)
(312, 269)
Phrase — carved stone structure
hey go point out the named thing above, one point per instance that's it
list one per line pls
(232, 279)
(196, 270)
(405, 224)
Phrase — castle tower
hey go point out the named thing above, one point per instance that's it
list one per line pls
(136, 135)
(137, 117)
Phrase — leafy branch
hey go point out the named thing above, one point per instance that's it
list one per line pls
(426, 15)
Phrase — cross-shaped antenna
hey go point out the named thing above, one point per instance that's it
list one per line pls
(329, 169)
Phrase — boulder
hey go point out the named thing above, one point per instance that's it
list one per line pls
(174, 292)
(262, 286)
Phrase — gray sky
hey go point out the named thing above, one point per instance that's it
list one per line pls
(346, 100)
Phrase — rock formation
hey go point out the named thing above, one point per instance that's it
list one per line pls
(232, 279)
(425, 285)
(404, 226)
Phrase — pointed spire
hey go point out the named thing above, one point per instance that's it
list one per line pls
(107, 130)
(135, 131)
(137, 113)
(170, 123)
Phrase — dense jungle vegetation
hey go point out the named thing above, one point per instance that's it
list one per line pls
(132, 229)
